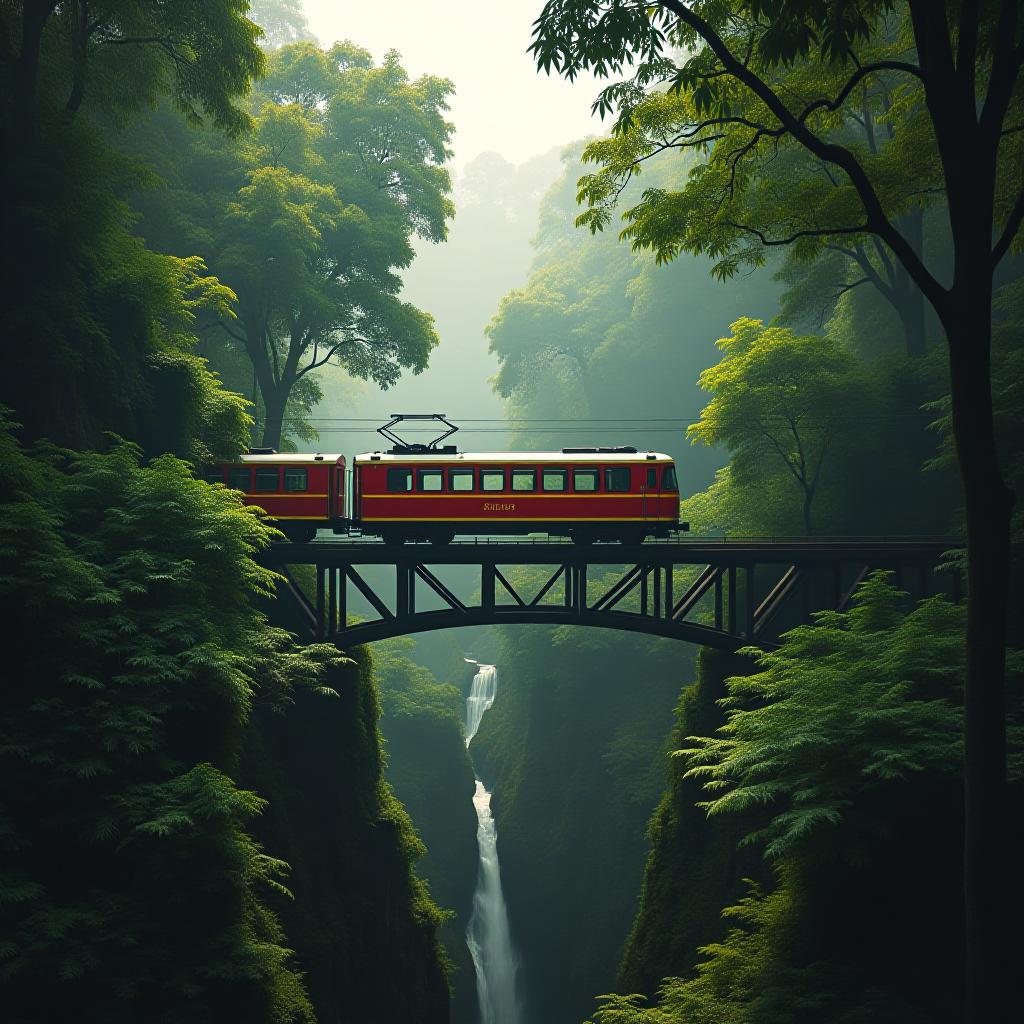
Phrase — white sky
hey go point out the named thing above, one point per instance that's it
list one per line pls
(501, 102)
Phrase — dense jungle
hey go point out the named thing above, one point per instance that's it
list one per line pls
(776, 241)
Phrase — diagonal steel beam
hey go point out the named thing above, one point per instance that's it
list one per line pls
(508, 586)
(697, 590)
(547, 586)
(367, 591)
(791, 578)
(847, 598)
(619, 590)
(439, 588)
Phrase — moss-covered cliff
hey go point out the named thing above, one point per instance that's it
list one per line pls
(430, 770)
(363, 926)
(695, 867)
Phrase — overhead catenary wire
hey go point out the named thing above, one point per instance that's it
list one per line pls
(641, 425)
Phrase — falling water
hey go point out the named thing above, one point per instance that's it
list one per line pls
(488, 936)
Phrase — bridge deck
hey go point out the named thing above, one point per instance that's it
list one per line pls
(553, 551)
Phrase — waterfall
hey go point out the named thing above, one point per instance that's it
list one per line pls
(481, 697)
(488, 935)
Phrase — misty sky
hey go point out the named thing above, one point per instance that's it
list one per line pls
(501, 102)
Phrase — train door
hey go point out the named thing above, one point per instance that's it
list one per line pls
(649, 492)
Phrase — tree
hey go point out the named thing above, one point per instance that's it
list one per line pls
(753, 190)
(314, 216)
(599, 330)
(203, 54)
(104, 325)
(779, 396)
(282, 21)
(964, 60)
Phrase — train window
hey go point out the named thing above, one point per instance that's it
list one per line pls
(213, 475)
(400, 479)
(492, 479)
(460, 479)
(430, 480)
(524, 479)
(296, 480)
(268, 478)
(584, 479)
(554, 479)
(616, 479)
(652, 477)
(240, 479)
(668, 479)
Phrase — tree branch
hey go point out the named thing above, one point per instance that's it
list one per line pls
(228, 330)
(890, 270)
(877, 220)
(314, 364)
(1013, 223)
(849, 287)
(860, 229)
(1007, 60)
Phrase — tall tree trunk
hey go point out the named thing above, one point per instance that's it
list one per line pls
(988, 506)
(907, 297)
(808, 522)
(909, 304)
(26, 68)
(79, 50)
(275, 400)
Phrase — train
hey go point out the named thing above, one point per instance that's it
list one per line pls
(416, 492)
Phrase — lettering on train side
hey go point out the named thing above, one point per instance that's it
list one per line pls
(499, 506)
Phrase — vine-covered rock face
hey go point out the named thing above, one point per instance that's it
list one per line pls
(430, 770)
(363, 926)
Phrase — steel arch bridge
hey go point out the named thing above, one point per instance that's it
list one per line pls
(721, 593)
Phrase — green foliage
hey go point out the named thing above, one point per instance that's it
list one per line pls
(129, 879)
(872, 691)
(126, 54)
(282, 21)
(695, 865)
(840, 756)
(815, 130)
(790, 403)
(1008, 409)
(313, 217)
(781, 396)
(105, 326)
(748, 978)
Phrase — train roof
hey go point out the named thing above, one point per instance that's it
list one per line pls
(535, 458)
(293, 458)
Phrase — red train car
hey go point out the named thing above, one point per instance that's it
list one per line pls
(587, 494)
(301, 492)
(611, 494)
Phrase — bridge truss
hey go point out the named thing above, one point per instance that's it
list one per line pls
(719, 593)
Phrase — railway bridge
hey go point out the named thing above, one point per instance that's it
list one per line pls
(718, 592)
